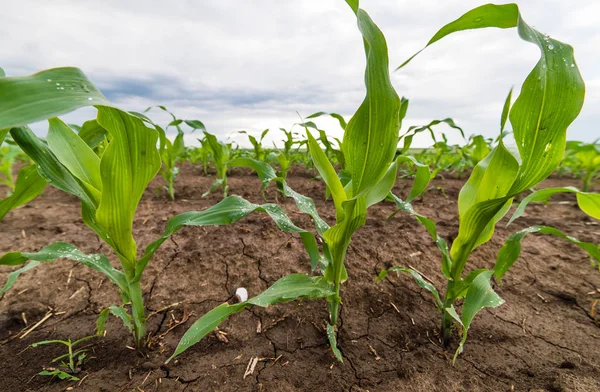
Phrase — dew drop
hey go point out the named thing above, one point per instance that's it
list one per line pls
(572, 65)
(58, 84)
(48, 80)
(550, 46)
(90, 98)
(477, 20)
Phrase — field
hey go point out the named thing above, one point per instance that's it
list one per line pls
(131, 261)
(543, 338)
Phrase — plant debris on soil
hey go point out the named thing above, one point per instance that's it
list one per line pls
(546, 337)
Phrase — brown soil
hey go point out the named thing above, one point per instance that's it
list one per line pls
(545, 338)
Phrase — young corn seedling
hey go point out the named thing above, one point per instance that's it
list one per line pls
(70, 362)
(550, 99)
(220, 154)
(369, 147)
(259, 152)
(583, 159)
(172, 152)
(109, 186)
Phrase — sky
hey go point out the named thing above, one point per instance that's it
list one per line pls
(251, 65)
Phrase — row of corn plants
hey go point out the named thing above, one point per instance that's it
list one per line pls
(109, 161)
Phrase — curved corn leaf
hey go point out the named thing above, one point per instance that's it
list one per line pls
(482, 202)
(230, 210)
(338, 117)
(46, 94)
(382, 189)
(286, 289)
(328, 174)
(121, 312)
(12, 277)
(420, 281)
(2, 73)
(489, 15)
(92, 133)
(431, 228)
(266, 174)
(588, 202)
(422, 177)
(479, 295)
(371, 135)
(505, 111)
(264, 171)
(75, 155)
(53, 171)
(195, 125)
(28, 186)
(129, 163)
(62, 250)
(414, 130)
(508, 254)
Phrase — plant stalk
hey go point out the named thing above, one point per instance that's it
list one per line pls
(137, 312)
(447, 320)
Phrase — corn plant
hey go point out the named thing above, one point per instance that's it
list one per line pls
(369, 147)
(257, 146)
(583, 160)
(172, 152)
(70, 362)
(220, 154)
(551, 98)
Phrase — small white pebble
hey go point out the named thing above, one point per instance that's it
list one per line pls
(241, 294)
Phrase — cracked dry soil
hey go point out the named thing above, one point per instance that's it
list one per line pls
(546, 337)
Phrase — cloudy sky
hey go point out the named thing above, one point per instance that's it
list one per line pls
(250, 65)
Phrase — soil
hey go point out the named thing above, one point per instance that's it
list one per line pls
(546, 337)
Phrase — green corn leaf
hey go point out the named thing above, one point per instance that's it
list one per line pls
(371, 135)
(482, 202)
(479, 295)
(195, 125)
(338, 117)
(505, 111)
(12, 277)
(50, 167)
(266, 174)
(121, 312)
(414, 130)
(230, 210)
(2, 73)
(338, 237)
(59, 250)
(264, 171)
(46, 94)
(28, 186)
(489, 15)
(92, 133)
(422, 177)
(380, 191)
(129, 163)
(205, 325)
(332, 336)
(3, 133)
(286, 289)
(588, 202)
(431, 228)
(508, 254)
(101, 321)
(420, 281)
(328, 174)
(292, 287)
(60, 374)
(551, 96)
(75, 155)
